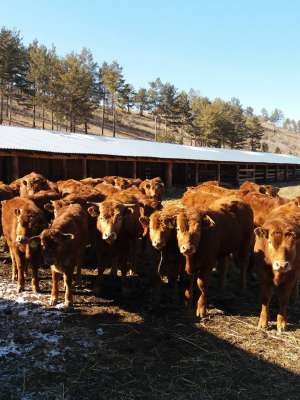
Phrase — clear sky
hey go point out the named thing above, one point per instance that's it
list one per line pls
(245, 49)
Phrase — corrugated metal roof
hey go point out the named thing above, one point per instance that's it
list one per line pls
(16, 138)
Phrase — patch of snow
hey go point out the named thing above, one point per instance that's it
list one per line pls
(47, 337)
(99, 331)
(9, 348)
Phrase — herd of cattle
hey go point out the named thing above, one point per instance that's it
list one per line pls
(123, 223)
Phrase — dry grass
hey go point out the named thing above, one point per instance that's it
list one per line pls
(114, 347)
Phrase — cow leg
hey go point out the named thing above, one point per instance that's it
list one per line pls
(284, 293)
(14, 269)
(242, 261)
(295, 292)
(202, 282)
(68, 289)
(266, 294)
(20, 262)
(54, 291)
(35, 280)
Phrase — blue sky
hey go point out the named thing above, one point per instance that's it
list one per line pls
(223, 48)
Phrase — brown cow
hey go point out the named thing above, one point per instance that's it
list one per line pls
(264, 189)
(277, 259)
(153, 188)
(6, 192)
(162, 233)
(21, 219)
(91, 181)
(34, 183)
(207, 236)
(106, 189)
(63, 245)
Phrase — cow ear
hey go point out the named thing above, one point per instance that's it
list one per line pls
(208, 221)
(262, 190)
(18, 211)
(24, 183)
(34, 242)
(93, 211)
(261, 232)
(49, 207)
(276, 190)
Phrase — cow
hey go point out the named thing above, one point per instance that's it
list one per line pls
(106, 189)
(63, 246)
(161, 227)
(153, 188)
(21, 219)
(68, 186)
(133, 195)
(206, 236)
(264, 189)
(34, 183)
(277, 262)
(6, 192)
(91, 181)
(199, 198)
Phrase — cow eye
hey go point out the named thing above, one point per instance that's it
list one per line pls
(148, 186)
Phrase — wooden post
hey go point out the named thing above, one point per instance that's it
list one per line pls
(294, 173)
(169, 175)
(84, 168)
(219, 173)
(276, 173)
(266, 173)
(196, 174)
(238, 175)
(286, 173)
(65, 168)
(134, 169)
(106, 167)
(15, 166)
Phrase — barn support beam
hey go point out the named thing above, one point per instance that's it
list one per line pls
(16, 169)
(169, 182)
(196, 174)
(276, 173)
(84, 168)
(219, 173)
(65, 169)
(134, 169)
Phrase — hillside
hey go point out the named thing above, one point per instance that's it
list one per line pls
(143, 127)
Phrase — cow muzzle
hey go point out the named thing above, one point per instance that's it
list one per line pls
(187, 250)
(109, 237)
(281, 266)
(157, 244)
(21, 239)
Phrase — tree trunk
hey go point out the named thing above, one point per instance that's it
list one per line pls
(1, 109)
(33, 120)
(85, 127)
(43, 116)
(114, 121)
(7, 97)
(10, 113)
(52, 120)
(102, 122)
(155, 134)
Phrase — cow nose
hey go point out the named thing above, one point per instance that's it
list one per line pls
(21, 239)
(109, 236)
(187, 249)
(277, 265)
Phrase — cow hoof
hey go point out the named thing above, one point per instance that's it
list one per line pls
(20, 289)
(36, 290)
(200, 313)
(281, 329)
(68, 306)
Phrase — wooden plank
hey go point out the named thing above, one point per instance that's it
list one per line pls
(219, 173)
(196, 174)
(134, 169)
(84, 168)
(169, 182)
(65, 169)
(16, 169)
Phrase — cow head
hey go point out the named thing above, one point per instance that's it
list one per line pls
(32, 184)
(153, 188)
(190, 226)
(279, 244)
(110, 216)
(52, 243)
(160, 229)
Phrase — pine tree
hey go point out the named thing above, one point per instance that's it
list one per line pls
(255, 132)
(142, 101)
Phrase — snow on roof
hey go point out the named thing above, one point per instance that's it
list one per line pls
(16, 138)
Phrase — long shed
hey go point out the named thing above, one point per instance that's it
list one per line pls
(59, 155)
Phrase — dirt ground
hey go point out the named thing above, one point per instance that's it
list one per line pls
(116, 347)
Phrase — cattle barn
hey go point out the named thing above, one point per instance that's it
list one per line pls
(59, 155)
